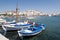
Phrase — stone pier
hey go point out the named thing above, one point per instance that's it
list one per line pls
(3, 38)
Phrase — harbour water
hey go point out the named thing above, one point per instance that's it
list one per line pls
(52, 31)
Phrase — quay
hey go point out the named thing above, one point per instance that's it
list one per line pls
(2, 37)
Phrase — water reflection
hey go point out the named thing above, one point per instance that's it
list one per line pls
(11, 35)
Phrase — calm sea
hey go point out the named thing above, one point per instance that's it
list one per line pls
(52, 31)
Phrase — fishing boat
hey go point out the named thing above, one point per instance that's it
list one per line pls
(32, 30)
(1, 21)
(4, 21)
(14, 26)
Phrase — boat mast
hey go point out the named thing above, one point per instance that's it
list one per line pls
(17, 11)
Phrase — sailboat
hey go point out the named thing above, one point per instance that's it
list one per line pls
(16, 25)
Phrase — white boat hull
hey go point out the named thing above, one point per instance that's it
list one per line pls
(6, 28)
(29, 34)
(9, 28)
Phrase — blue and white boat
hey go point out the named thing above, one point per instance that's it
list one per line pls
(32, 30)
(14, 26)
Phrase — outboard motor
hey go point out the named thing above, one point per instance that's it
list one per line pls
(43, 26)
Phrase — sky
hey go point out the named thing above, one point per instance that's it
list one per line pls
(47, 6)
